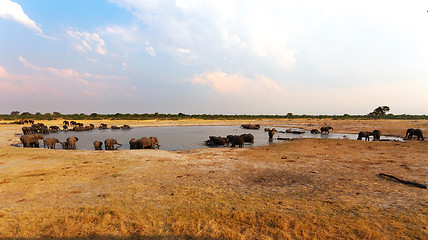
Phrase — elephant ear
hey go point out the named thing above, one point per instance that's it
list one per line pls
(76, 139)
(101, 143)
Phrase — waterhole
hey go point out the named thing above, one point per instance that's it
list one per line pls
(186, 137)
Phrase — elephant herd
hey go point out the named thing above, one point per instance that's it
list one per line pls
(366, 135)
(144, 143)
(376, 135)
(32, 140)
(32, 135)
(67, 126)
(232, 140)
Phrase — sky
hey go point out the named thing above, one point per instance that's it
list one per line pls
(214, 56)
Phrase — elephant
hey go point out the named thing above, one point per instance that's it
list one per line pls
(54, 128)
(155, 142)
(78, 129)
(65, 127)
(411, 131)
(216, 141)
(71, 142)
(271, 133)
(144, 143)
(109, 144)
(73, 123)
(366, 135)
(30, 121)
(50, 142)
(64, 145)
(98, 145)
(31, 140)
(125, 127)
(25, 130)
(132, 144)
(315, 131)
(251, 126)
(236, 140)
(114, 127)
(65, 122)
(326, 129)
(249, 137)
(44, 130)
(376, 135)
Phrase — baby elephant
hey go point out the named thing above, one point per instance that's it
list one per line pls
(109, 144)
(50, 142)
(98, 145)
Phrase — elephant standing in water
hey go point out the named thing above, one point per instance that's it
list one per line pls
(365, 135)
(98, 145)
(411, 131)
(235, 140)
(155, 142)
(249, 138)
(64, 145)
(326, 130)
(109, 144)
(144, 143)
(315, 131)
(271, 133)
(31, 140)
(71, 142)
(50, 142)
(376, 135)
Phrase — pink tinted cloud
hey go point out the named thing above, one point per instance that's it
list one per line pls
(236, 83)
(3, 73)
(220, 81)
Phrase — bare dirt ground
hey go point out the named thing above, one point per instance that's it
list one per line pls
(305, 189)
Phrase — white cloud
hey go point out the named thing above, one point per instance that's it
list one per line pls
(127, 34)
(87, 42)
(92, 60)
(13, 11)
(217, 27)
(183, 50)
(236, 83)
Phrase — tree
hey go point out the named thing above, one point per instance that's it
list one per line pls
(14, 113)
(379, 112)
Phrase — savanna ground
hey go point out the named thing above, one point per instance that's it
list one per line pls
(306, 189)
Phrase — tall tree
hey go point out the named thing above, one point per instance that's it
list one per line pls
(14, 113)
(379, 112)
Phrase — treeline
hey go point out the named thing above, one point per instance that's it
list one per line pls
(160, 116)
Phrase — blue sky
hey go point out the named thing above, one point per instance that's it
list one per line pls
(228, 57)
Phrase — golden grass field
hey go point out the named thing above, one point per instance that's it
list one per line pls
(306, 189)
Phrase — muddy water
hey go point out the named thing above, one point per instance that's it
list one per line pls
(182, 138)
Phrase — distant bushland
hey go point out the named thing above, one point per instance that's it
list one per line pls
(181, 116)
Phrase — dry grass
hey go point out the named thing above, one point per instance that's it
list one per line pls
(308, 189)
